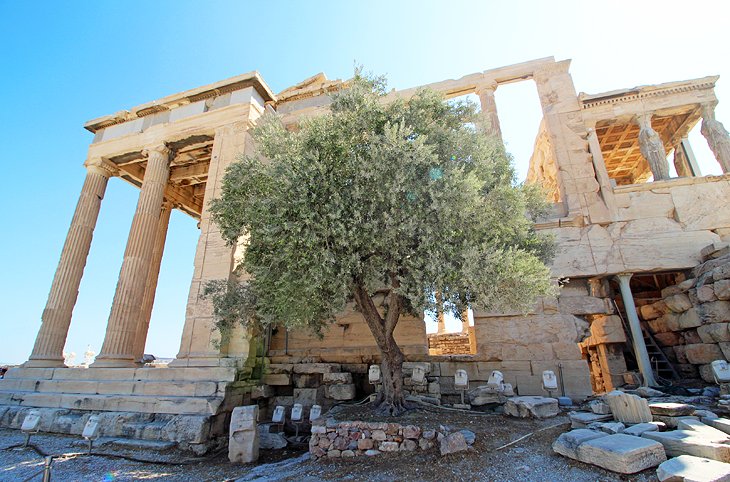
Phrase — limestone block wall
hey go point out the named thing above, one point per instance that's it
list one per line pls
(658, 226)
(349, 340)
(691, 321)
(520, 345)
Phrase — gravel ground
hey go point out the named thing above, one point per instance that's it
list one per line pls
(529, 460)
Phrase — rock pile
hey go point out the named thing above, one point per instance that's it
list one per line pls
(692, 320)
(353, 438)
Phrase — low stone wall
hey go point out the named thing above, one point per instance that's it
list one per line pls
(692, 320)
(352, 439)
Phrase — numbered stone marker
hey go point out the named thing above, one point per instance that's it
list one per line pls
(278, 416)
(315, 412)
(721, 371)
(374, 374)
(91, 429)
(496, 380)
(549, 380)
(296, 412)
(31, 422)
(461, 379)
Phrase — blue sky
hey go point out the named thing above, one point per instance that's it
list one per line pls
(63, 63)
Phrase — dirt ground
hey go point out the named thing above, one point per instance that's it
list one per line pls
(531, 459)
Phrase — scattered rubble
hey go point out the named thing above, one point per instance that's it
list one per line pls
(535, 407)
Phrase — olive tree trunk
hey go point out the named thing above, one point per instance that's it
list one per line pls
(390, 400)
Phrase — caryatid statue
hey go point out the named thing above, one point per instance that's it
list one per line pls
(652, 148)
(717, 137)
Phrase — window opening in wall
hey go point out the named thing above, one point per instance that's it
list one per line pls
(520, 116)
(448, 335)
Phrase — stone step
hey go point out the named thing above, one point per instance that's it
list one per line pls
(171, 388)
(128, 374)
(120, 403)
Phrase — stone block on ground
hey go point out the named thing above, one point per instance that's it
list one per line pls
(452, 443)
(567, 443)
(722, 424)
(270, 440)
(608, 427)
(600, 407)
(671, 409)
(621, 453)
(583, 419)
(672, 422)
(627, 408)
(707, 431)
(687, 468)
(486, 395)
(528, 406)
(688, 442)
(243, 440)
(639, 428)
(648, 392)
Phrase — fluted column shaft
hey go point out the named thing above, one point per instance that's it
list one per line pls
(490, 119)
(652, 148)
(56, 318)
(717, 137)
(151, 285)
(121, 330)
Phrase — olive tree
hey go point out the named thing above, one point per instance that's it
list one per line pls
(383, 202)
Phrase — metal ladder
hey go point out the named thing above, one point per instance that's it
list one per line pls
(661, 365)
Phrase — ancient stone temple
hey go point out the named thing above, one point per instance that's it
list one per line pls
(629, 238)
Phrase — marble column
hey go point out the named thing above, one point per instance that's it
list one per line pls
(465, 321)
(637, 337)
(652, 148)
(151, 285)
(121, 329)
(56, 318)
(717, 137)
(489, 117)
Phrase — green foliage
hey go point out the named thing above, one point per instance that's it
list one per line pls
(376, 190)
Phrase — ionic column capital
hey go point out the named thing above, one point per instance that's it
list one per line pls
(101, 166)
(158, 150)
